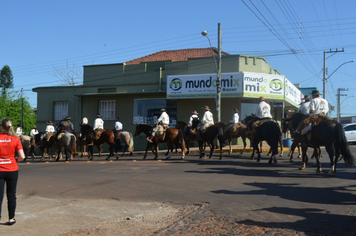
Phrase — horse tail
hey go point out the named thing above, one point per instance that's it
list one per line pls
(343, 146)
(131, 144)
(73, 144)
(181, 140)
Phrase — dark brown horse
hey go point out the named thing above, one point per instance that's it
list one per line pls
(48, 145)
(187, 138)
(235, 131)
(106, 136)
(331, 134)
(208, 136)
(292, 124)
(173, 136)
(268, 131)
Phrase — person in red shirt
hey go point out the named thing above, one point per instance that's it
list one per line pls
(9, 144)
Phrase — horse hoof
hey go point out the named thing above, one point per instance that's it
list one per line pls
(117, 158)
(302, 168)
(130, 153)
(220, 158)
(291, 160)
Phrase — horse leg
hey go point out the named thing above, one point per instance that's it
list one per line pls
(230, 147)
(304, 157)
(111, 152)
(221, 152)
(294, 144)
(244, 142)
(170, 147)
(281, 145)
(156, 150)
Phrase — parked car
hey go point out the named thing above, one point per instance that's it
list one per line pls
(350, 132)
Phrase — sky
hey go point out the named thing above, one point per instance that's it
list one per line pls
(42, 39)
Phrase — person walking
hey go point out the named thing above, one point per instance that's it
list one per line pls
(9, 144)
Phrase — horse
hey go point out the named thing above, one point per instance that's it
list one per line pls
(268, 131)
(28, 143)
(126, 138)
(331, 134)
(68, 143)
(187, 138)
(208, 136)
(235, 131)
(48, 145)
(172, 136)
(105, 136)
(292, 124)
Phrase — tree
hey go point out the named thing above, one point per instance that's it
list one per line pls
(6, 79)
(10, 106)
(69, 76)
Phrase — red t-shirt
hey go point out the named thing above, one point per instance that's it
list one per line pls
(8, 146)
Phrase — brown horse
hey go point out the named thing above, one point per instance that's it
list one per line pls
(187, 138)
(106, 136)
(172, 136)
(235, 131)
(208, 136)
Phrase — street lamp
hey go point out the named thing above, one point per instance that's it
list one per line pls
(218, 70)
(339, 104)
(325, 79)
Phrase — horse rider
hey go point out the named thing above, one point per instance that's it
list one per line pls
(190, 122)
(98, 123)
(65, 126)
(263, 109)
(305, 106)
(85, 121)
(18, 130)
(235, 116)
(161, 125)
(318, 108)
(49, 127)
(206, 121)
(117, 131)
(33, 131)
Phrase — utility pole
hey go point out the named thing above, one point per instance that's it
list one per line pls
(338, 101)
(21, 108)
(218, 82)
(324, 76)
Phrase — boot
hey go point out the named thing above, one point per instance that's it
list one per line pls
(149, 139)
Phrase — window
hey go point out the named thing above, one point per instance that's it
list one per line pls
(147, 111)
(350, 128)
(107, 109)
(60, 110)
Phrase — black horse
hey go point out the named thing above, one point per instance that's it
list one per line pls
(187, 138)
(331, 134)
(208, 136)
(268, 131)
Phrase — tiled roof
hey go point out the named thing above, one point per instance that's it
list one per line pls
(177, 55)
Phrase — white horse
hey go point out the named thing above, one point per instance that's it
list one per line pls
(126, 138)
(68, 143)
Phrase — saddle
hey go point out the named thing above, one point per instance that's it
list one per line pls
(60, 136)
(315, 119)
(48, 136)
(202, 127)
(97, 133)
(259, 122)
(161, 132)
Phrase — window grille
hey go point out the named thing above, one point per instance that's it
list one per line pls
(60, 110)
(107, 109)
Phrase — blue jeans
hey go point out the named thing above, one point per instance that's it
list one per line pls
(10, 178)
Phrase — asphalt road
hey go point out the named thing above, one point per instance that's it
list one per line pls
(238, 188)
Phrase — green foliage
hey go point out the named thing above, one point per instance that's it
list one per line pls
(10, 106)
(6, 79)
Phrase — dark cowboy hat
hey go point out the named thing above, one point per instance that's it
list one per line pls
(67, 118)
(98, 115)
(315, 92)
(195, 113)
(235, 110)
(307, 98)
(262, 99)
(206, 108)
(162, 109)
(49, 122)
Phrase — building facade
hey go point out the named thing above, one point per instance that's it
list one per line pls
(179, 81)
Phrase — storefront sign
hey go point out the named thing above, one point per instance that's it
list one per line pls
(203, 85)
(292, 93)
(266, 85)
